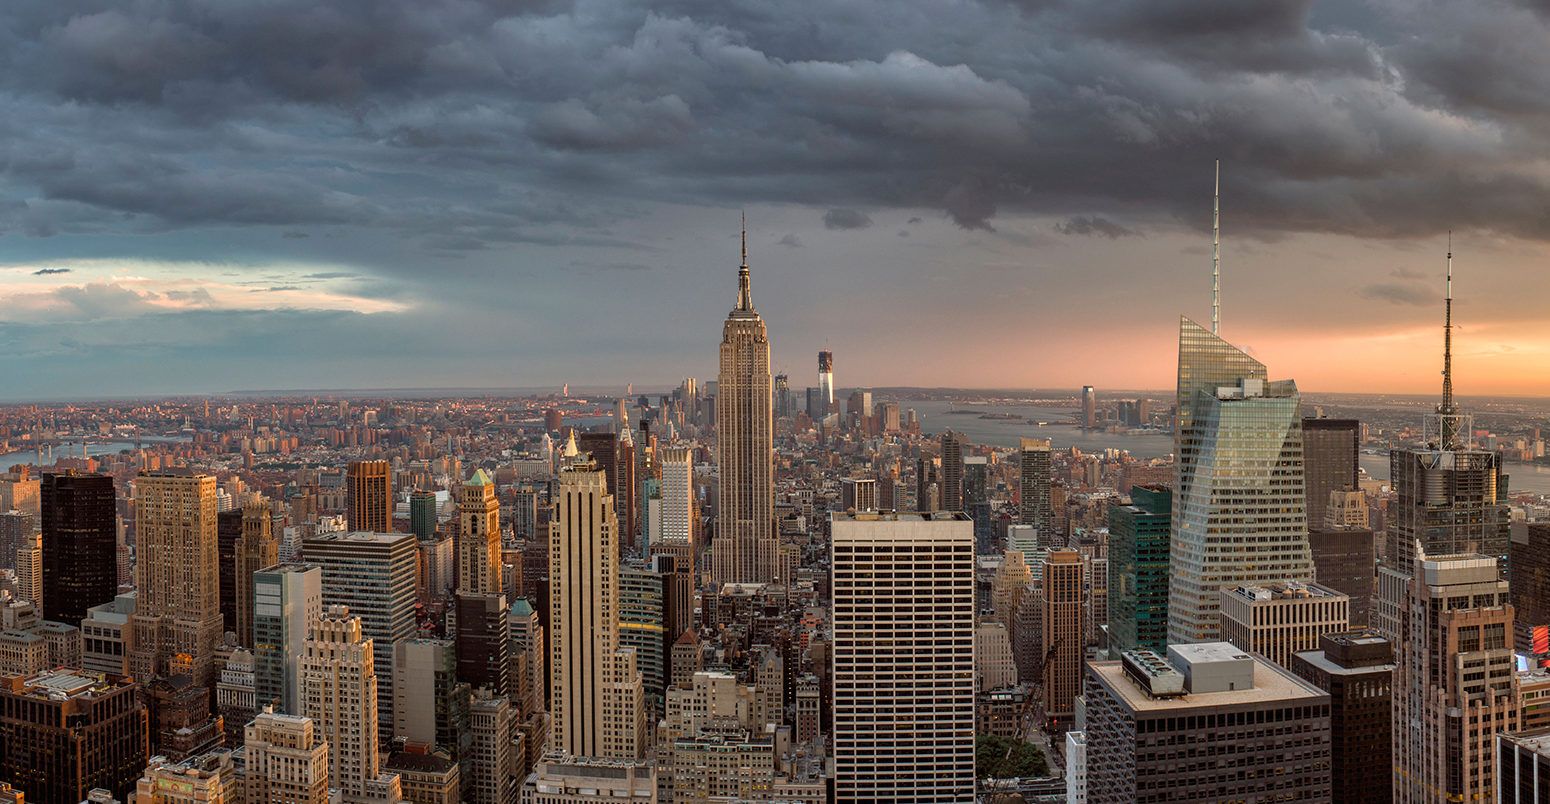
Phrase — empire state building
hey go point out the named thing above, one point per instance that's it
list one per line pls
(745, 548)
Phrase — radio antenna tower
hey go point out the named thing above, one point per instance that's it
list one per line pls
(1216, 253)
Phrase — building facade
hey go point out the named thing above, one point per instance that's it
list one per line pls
(79, 546)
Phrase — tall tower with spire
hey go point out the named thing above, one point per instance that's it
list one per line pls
(745, 548)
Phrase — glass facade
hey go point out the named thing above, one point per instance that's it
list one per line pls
(1240, 515)
(1138, 570)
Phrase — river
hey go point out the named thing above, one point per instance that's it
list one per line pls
(1522, 477)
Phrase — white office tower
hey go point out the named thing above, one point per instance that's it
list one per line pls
(903, 657)
(287, 763)
(598, 699)
(1239, 516)
(678, 509)
(339, 685)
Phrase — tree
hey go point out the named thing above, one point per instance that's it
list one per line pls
(998, 757)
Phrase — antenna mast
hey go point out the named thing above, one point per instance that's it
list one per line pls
(1447, 338)
(1452, 429)
(1216, 255)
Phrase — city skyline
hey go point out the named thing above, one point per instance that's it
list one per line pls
(440, 191)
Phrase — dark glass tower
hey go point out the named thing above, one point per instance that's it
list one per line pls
(80, 557)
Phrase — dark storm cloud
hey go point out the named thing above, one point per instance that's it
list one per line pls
(790, 241)
(1406, 293)
(461, 125)
(846, 219)
(1092, 225)
(50, 271)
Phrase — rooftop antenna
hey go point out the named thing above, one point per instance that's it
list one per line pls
(1216, 253)
(744, 296)
(1450, 427)
(1447, 337)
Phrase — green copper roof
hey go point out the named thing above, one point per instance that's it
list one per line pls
(521, 607)
(480, 479)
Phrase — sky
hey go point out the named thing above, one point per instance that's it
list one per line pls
(219, 195)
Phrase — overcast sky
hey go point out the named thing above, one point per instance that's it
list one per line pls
(207, 195)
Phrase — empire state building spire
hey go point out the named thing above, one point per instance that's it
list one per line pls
(744, 295)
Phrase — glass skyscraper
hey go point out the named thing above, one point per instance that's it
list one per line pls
(1138, 570)
(1239, 515)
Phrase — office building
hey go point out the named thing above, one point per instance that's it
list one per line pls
(615, 457)
(423, 518)
(1454, 687)
(1238, 513)
(29, 569)
(1345, 559)
(427, 776)
(1356, 668)
(825, 379)
(369, 497)
(108, 636)
(976, 499)
(256, 549)
(483, 642)
(951, 483)
(1278, 620)
(66, 732)
(858, 494)
(177, 619)
(479, 537)
(1138, 570)
(338, 672)
(1208, 723)
(903, 708)
(236, 696)
(15, 527)
(643, 624)
(563, 779)
(287, 605)
(597, 699)
(680, 515)
(80, 541)
(373, 574)
(746, 545)
(1089, 406)
(286, 761)
(1009, 585)
(1329, 451)
(1063, 637)
(487, 776)
(1033, 507)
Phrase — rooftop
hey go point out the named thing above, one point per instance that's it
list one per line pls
(1536, 740)
(1271, 685)
(1283, 591)
(899, 516)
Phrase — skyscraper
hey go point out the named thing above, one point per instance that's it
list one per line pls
(746, 544)
(479, 538)
(287, 604)
(373, 574)
(1238, 516)
(1329, 452)
(177, 617)
(904, 705)
(826, 379)
(1454, 686)
(286, 763)
(1356, 668)
(1089, 406)
(680, 516)
(1138, 570)
(952, 471)
(340, 677)
(256, 549)
(69, 731)
(369, 496)
(1063, 638)
(1033, 507)
(1449, 494)
(597, 697)
(422, 514)
(80, 540)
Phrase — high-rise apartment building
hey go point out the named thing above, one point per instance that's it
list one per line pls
(903, 706)
(1454, 686)
(1238, 513)
(373, 574)
(369, 496)
(1033, 507)
(1208, 723)
(338, 672)
(1356, 668)
(257, 548)
(1278, 620)
(286, 761)
(177, 619)
(287, 605)
(479, 537)
(952, 471)
(1138, 570)
(80, 540)
(66, 732)
(1064, 639)
(746, 546)
(597, 699)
